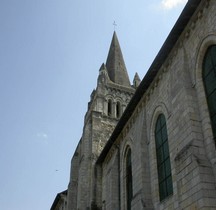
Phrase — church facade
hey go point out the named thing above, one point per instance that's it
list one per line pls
(152, 145)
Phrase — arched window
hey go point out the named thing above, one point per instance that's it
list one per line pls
(109, 111)
(129, 180)
(209, 80)
(163, 158)
(118, 109)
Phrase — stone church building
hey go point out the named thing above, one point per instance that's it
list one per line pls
(152, 145)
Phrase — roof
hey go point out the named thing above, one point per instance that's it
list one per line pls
(57, 198)
(162, 55)
(115, 64)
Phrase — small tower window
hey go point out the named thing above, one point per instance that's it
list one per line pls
(118, 109)
(209, 80)
(109, 111)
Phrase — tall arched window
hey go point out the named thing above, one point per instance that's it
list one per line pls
(109, 108)
(209, 80)
(129, 180)
(163, 158)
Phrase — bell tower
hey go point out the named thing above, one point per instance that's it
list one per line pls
(107, 103)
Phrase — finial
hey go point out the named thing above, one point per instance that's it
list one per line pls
(136, 80)
(114, 25)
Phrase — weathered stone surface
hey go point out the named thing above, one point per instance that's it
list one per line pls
(106, 106)
(175, 89)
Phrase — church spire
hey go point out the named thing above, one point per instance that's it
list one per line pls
(115, 64)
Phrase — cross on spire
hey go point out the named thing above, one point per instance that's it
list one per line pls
(114, 24)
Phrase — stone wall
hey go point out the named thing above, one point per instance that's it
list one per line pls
(178, 93)
(83, 190)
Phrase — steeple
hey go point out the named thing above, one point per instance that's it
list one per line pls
(115, 64)
(107, 103)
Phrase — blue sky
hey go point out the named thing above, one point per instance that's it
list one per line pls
(50, 55)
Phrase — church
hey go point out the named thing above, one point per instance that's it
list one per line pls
(151, 145)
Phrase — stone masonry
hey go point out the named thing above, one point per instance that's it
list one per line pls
(177, 91)
(122, 117)
(107, 104)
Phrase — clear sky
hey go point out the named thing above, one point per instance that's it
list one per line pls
(50, 55)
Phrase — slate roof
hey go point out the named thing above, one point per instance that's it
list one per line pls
(115, 64)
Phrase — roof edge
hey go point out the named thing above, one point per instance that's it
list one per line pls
(162, 55)
(58, 196)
